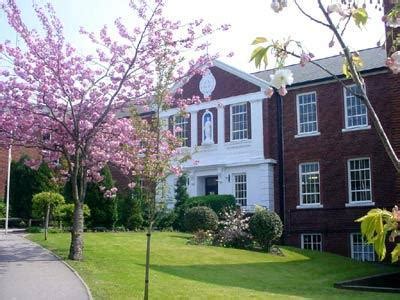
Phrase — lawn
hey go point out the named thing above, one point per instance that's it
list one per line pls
(114, 269)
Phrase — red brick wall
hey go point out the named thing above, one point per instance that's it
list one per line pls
(332, 149)
(228, 85)
(16, 155)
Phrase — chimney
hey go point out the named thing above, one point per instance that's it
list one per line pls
(391, 33)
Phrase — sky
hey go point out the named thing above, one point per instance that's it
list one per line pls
(248, 19)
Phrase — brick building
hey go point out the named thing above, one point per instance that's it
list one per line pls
(331, 167)
(335, 167)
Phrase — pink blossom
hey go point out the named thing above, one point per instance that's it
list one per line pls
(305, 58)
(269, 92)
(282, 91)
(393, 62)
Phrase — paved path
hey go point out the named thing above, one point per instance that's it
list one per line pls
(27, 271)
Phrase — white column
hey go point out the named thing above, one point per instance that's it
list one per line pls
(193, 126)
(221, 127)
(257, 128)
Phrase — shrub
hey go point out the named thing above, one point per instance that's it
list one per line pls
(65, 213)
(164, 220)
(43, 204)
(266, 227)
(24, 183)
(55, 230)
(218, 203)
(233, 231)
(2, 209)
(45, 200)
(181, 199)
(34, 229)
(101, 208)
(200, 218)
(130, 208)
(201, 237)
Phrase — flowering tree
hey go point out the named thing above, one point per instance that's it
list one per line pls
(66, 104)
(161, 154)
(336, 16)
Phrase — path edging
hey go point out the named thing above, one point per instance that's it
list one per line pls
(89, 293)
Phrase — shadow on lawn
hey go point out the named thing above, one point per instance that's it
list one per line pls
(304, 277)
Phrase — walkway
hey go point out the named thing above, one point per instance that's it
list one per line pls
(27, 271)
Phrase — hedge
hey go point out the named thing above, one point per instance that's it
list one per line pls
(217, 203)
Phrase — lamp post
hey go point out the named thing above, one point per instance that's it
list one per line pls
(8, 189)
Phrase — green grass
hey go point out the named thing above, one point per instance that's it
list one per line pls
(114, 269)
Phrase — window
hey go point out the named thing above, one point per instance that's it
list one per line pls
(361, 250)
(239, 122)
(311, 241)
(183, 133)
(309, 183)
(355, 110)
(241, 189)
(359, 180)
(307, 113)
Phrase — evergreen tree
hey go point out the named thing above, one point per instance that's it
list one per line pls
(24, 183)
(181, 198)
(102, 210)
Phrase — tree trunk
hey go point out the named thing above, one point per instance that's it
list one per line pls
(146, 279)
(46, 222)
(76, 248)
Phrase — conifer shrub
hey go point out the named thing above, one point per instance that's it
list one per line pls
(200, 218)
(266, 227)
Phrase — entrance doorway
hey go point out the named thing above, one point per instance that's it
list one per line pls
(211, 185)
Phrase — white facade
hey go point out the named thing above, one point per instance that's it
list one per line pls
(225, 161)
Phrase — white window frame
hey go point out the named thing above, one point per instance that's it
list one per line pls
(239, 201)
(185, 123)
(309, 205)
(349, 190)
(363, 253)
(312, 245)
(310, 133)
(246, 130)
(346, 122)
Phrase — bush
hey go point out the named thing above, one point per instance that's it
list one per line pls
(164, 220)
(266, 227)
(200, 218)
(34, 229)
(55, 230)
(65, 213)
(2, 209)
(101, 208)
(233, 231)
(24, 183)
(201, 237)
(181, 199)
(218, 203)
(42, 200)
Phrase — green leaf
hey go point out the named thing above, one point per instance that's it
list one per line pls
(259, 40)
(396, 253)
(258, 55)
(360, 16)
(345, 70)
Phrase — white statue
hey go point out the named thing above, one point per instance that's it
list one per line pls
(208, 129)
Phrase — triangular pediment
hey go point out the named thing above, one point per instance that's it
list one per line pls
(221, 81)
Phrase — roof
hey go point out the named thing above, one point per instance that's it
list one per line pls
(373, 58)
